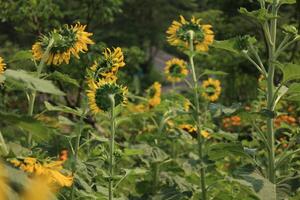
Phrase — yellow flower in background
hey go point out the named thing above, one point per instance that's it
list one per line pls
(98, 95)
(186, 105)
(178, 34)
(154, 94)
(50, 171)
(68, 40)
(3, 183)
(212, 89)
(205, 134)
(2, 65)
(107, 66)
(176, 70)
(188, 128)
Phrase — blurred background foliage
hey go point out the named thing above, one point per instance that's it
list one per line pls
(139, 27)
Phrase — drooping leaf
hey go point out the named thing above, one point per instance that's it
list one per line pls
(21, 56)
(32, 82)
(228, 45)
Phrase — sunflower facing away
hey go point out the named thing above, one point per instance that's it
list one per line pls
(212, 89)
(178, 34)
(69, 40)
(154, 93)
(51, 171)
(176, 70)
(98, 95)
(2, 66)
(107, 66)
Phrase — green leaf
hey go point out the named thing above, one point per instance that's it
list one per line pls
(21, 56)
(64, 77)
(261, 15)
(221, 150)
(32, 82)
(290, 72)
(228, 45)
(64, 109)
(288, 1)
(263, 187)
(27, 123)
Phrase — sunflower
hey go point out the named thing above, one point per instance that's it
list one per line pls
(98, 95)
(49, 170)
(68, 40)
(154, 93)
(107, 66)
(176, 70)
(192, 130)
(178, 34)
(2, 66)
(212, 89)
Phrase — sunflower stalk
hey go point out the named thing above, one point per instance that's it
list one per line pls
(32, 95)
(111, 147)
(197, 116)
(76, 150)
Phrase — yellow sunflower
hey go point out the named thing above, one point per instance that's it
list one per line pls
(51, 171)
(176, 70)
(186, 105)
(192, 130)
(154, 93)
(178, 34)
(2, 66)
(107, 66)
(69, 40)
(98, 95)
(212, 89)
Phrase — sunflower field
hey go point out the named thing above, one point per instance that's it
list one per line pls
(149, 100)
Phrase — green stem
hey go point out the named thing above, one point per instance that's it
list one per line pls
(76, 150)
(270, 94)
(32, 95)
(155, 177)
(197, 116)
(111, 148)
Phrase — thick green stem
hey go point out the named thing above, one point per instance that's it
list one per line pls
(270, 93)
(111, 148)
(155, 177)
(32, 95)
(197, 117)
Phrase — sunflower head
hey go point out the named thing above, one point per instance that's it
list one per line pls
(68, 40)
(2, 66)
(108, 64)
(176, 70)
(179, 34)
(212, 89)
(154, 93)
(98, 95)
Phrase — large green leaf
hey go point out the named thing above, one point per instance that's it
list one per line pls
(21, 56)
(290, 71)
(32, 82)
(29, 124)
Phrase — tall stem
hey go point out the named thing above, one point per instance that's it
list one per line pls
(76, 150)
(111, 148)
(32, 94)
(270, 93)
(197, 117)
